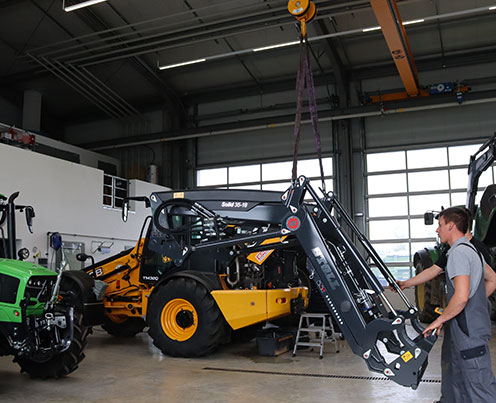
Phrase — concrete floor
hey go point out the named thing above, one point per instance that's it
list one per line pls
(133, 370)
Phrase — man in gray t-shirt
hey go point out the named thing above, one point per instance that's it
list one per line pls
(464, 262)
(468, 376)
(465, 361)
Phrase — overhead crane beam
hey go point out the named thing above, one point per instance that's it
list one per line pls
(388, 16)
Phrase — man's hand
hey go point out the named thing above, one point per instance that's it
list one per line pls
(436, 325)
(402, 285)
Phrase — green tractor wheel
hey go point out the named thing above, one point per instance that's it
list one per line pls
(61, 364)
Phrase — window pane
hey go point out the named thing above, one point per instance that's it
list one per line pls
(458, 178)
(379, 276)
(423, 203)
(211, 177)
(390, 161)
(391, 229)
(460, 155)
(329, 185)
(120, 183)
(251, 187)
(246, 173)
(418, 229)
(458, 199)
(383, 184)
(393, 252)
(427, 158)
(281, 186)
(277, 170)
(311, 168)
(401, 273)
(431, 180)
(388, 206)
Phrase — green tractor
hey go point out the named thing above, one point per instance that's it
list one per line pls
(45, 317)
(431, 295)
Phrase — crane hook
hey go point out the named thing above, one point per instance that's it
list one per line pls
(304, 11)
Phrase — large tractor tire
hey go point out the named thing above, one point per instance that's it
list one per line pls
(184, 320)
(61, 364)
(123, 326)
(428, 296)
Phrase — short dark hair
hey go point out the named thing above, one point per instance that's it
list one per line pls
(457, 216)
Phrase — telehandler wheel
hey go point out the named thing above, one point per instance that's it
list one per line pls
(123, 326)
(61, 364)
(184, 319)
(423, 297)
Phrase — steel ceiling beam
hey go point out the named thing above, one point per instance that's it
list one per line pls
(388, 16)
(404, 106)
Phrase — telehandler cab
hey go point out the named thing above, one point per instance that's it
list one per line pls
(217, 260)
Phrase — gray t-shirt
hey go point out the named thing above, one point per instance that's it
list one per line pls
(464, 260)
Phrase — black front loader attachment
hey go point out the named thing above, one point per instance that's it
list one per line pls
(373, 328)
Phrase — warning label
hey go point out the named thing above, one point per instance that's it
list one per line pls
(407, 356)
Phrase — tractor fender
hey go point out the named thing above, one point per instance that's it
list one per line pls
(209, 280)
(92, 309)
(424, 256)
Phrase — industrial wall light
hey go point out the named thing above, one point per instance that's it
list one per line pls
(81, 4)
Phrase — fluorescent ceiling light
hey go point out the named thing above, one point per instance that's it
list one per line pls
(279, 45)
(80, 5)
(371, 29)
(171, 66)
(332, 35)
(412, 22)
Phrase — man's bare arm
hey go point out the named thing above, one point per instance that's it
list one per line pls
(456, 304)
(490, 280)
(426, 275)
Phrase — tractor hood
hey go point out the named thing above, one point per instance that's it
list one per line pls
(20, 269)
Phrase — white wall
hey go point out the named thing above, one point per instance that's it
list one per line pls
(67, 198)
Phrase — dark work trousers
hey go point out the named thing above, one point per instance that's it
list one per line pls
(465, 360)
(446, 368)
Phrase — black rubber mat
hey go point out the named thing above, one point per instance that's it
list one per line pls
(333, 376)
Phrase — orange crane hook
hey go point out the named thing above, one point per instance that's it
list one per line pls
(304, 11)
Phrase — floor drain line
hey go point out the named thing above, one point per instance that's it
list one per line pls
(332, 376)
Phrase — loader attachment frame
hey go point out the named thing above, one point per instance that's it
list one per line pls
(373, 328)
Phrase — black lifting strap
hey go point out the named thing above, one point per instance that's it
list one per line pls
(305, 76)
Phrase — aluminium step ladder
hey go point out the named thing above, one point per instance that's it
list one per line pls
(323, 331)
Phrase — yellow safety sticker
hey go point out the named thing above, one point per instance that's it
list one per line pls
(178, 195)
(407, 356)
(166, 259)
